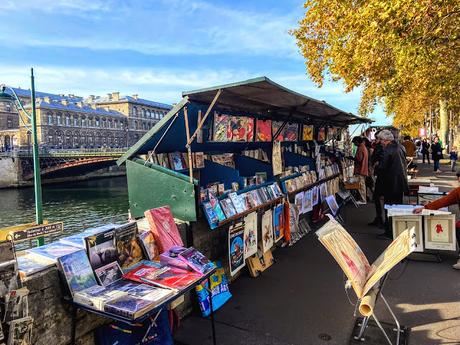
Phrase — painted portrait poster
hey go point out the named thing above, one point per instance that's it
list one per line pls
(263, 130)
(221, 126)
(236, 248)
(241, 128)
(250, 235)
(290, 132)
(322, 134)
(267, 231)
(307, 133)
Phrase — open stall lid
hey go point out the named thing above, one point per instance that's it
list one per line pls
(258, 97)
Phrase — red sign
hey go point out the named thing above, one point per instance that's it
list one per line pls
(422, 132)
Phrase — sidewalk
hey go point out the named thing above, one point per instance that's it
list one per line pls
(301, 299)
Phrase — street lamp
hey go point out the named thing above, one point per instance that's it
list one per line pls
(6, 97)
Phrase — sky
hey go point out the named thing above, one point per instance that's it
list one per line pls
(157, 48)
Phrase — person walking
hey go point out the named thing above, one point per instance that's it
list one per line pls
(436, 154)
(361, 165)
(392, 175)
(375, 160)
(453, 155)
(425, 150)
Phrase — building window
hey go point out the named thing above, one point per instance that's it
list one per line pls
(8, 107)
(83, 122)
(50, 118)
(75, 121)
(67, 120)
(97, 122)
(9, 123)
(59, 119)
(135, 111)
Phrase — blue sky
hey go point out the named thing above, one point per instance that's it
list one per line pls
(156, 48)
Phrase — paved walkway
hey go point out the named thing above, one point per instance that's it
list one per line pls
(301, 299)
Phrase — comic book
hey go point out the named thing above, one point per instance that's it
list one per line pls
(196, 260)
(351, 259)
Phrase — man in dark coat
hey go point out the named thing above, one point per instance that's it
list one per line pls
(375, 161)
(436, 152)
(392, 174)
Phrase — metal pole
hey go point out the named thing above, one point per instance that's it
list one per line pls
(37, 178)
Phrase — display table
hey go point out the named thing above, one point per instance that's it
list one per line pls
(155, 311)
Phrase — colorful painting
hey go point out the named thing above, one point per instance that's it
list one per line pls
(267, 231)
(322, 134)
(236, 248)
(221, 126)
(250, 235)
(307, 133)
(263, 130)
(288, 133)
(440, 232)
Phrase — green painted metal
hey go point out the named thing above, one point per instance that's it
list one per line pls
(151, 186)
(146, 137)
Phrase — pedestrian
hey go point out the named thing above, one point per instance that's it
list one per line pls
(425, 151)
(361, 165)
(436, 154)
(450, 199)
(375, 160)
(453, 155)
(392, 174)
(409, 146)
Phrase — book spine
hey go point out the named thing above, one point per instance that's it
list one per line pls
(118, 311)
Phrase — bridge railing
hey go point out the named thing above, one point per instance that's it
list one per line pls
(80, 152)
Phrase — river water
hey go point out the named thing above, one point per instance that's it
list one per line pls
(78, 204)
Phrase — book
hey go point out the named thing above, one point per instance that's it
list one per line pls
(148, 245)
(176, 161)
(164, 228)
(236, 248)
(351, 259)
(216, 207)
(163, 276)
(9, 274)
(267, 231)
(278, 222)
(109, 273)
(77, 271)
(101, 248)
(171, 258)
(16, 304)
(228, 208)
(210, 214)
(256, 198)
(78, 240)
(196, 260)
(129, 250)
(250, 235)
(199, 160)
(97, 296)
(20, 331)
(53, 250)
(237, 202)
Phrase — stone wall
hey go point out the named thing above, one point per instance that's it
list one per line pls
(9, 175)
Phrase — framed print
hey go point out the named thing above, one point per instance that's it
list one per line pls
(425, 198)
(401, 223)
(440, 232)
(307, 133)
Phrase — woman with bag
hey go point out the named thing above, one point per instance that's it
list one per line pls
(436, 152)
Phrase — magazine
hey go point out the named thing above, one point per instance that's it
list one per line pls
(267, 231)
(20, 331)
(250, 235)
(362, 275)
(78, 240)
(148, 245)
(236, 248)
(16, 304)
(109, 273)
(237, 202)
(196, 260)
(101, 248)
(164, 228)
(128, 248)
(77, 271)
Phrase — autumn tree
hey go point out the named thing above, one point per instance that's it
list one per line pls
(395, 50)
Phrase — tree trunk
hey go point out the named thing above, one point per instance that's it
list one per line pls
(443, 122)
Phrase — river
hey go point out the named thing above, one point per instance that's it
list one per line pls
(78, 204)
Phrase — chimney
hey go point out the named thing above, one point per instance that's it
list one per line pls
(135, 96)
(116, 96)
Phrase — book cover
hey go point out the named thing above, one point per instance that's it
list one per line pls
(275, 126)
(78, 240)
(250, 235)
(315, 196)
(129, 306)
(227, 207)
(199, 160)
(248, 200)
(278, 222)
(16, 304)
(20, 331)
(221, 125)
(263, 130)
(163, 276)
(128, 248)
(236, 248)
(148, 245)
(171, 258)
(109, 273)
(77, 271)
(30, 264)
(176, 161)
(277, 162)
(53, 250)
(164, 228)
(267, 231)
(237, 202)
(196, 260)
(256, 198)
(216, 207)
(101, 248)
(211, 216)
(97, 296)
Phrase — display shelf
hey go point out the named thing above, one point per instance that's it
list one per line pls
(245, 213)
(317, 183)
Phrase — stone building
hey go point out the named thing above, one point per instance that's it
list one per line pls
(71, 122)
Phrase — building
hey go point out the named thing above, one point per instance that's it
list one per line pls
(72, 122)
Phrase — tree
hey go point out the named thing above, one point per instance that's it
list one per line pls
(395, 50)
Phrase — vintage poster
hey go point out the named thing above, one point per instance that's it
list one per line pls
(307, 133)
(401, 223)
(298, 202)
(440, 232)
(267, 231)
(241, 128)
(250, 235)
(275, 126)
(323, 191)
(263, 130)
(290, 132)
(278, 222)
(277, 161)
(322, 134)
(221, 126)
(332, 203)
(307, 203)
(236, 248)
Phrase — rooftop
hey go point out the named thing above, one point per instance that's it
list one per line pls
(26, 93)
(115, 97)
(77, 107)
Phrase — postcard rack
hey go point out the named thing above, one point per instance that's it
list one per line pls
(154, 312)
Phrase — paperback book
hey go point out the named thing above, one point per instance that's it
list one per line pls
(278, 222)
(237, 202)
(196, 260)
(128, 248)
(148, 245)
(16, 304)
(250, 235)
(77, 271)
(216, 207)
(211, 216)
(101, 248)
(228, 207)
(109, 273)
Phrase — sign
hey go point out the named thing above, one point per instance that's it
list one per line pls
(422, 132)
(37, 231)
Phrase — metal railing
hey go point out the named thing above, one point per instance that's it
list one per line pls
(80, 152)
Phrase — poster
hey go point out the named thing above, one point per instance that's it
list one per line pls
(250, 235)
(307, 133)
(276, 158)
(322, 134)
(236, 248)
(263, 130)
(241, 128)
(275, 126)
(332, 203)
(267, 231)
(288, 133)
(401, 223)
(221, 126)
(298, 202)
(323, 191)
(440, 232)
(307, 204)
(315, 196)
(278, 222)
